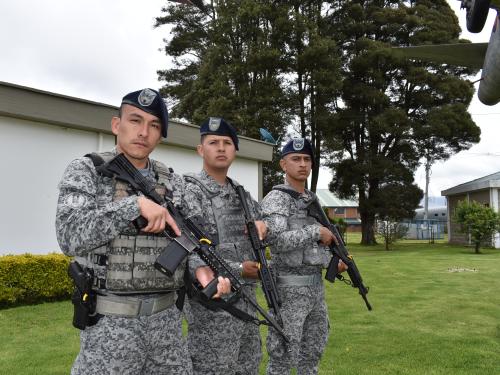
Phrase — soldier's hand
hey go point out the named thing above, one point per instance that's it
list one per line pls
(326, 236)
(223, 287)
(261, 229)
(341, 266)
(157, 217)
(250, 269)
(205, 274)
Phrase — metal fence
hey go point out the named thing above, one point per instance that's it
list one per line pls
(425, 229)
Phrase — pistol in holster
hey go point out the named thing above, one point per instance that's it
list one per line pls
(83, 298)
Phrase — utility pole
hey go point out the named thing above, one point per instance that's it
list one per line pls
(426, 196)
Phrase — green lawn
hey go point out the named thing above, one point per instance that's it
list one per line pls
(425, 319)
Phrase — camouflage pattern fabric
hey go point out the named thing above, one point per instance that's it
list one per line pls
(218, 342)
(91, 214)
(144, 345)
(304, 312)
(87, 216)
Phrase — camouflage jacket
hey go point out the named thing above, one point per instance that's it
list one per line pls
(87, 214)
(235, 247)
(293, 234)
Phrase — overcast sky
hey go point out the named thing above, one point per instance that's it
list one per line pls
(101, 49)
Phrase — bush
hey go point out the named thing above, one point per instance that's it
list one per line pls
(27, 279)
(478, 220)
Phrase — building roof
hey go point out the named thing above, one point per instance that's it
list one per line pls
(486, 182)
(329, 199)
(69, 112)
(352, 221)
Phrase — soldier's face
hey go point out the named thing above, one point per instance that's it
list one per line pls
(137, 134)
(217, 151)
(297, 166)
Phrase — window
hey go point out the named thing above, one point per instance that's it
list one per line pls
(340, 211)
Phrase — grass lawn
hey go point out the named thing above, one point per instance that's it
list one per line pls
(426, 319)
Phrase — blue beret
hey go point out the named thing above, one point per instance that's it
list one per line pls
(298, 146)
(149, 101)
(219, 126)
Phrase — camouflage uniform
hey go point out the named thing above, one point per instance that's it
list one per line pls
(297, 261)
(218, 342)
(94, 224)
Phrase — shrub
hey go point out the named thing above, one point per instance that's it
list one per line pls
(478, 220)
(27, 279)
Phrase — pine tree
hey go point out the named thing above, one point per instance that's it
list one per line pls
(392, 106)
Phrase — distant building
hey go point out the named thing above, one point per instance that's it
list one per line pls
(340, 208)
(484, 190)
(43, 131)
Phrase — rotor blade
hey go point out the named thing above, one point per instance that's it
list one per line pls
(461, 54)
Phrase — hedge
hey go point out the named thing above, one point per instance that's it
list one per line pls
(28, 279)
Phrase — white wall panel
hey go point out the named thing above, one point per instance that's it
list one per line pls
(32, 160)
(33, 157)
(183, 160)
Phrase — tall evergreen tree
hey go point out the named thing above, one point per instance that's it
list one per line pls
(228, 62)
(313, 80)
(257, 63)
(392, 106)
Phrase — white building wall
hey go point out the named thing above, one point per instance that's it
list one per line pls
(184, 160)
(33, 157)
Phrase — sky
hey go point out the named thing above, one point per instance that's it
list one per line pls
(101, 49)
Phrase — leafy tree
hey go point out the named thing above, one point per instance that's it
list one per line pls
(391, 231)
(276, 64)
(394, 111)
(312, 73)
(257, 63)
(227, 62)
(477, 220)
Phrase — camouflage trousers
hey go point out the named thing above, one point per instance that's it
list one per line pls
(305, 320)
(220, 344)
(145, 345)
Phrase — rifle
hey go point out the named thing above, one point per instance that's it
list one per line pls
(265, 274)
(191, 240)
(339, 252)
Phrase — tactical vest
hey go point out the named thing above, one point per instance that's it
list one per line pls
(232, 243)
(315, 255)
(125, 265)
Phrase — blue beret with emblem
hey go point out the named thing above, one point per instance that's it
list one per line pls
(298, 146)
(149, 101)
(219, 126)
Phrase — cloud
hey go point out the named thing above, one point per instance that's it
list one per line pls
(97, 50)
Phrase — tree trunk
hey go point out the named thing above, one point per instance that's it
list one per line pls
(367, 231)
(314, 179)
(477, 245)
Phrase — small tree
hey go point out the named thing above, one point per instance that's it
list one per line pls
(391, 231)
(338, 222)
(477, 220)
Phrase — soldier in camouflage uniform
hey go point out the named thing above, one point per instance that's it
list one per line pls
(220, 343)
(137, 327)
(299, 254)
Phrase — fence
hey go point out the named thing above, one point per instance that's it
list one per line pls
(425, 229)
